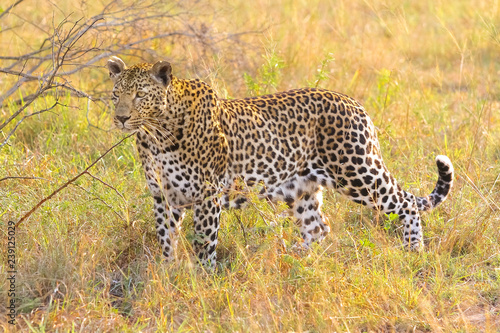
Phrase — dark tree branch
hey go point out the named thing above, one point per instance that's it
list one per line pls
(22, 177)
(72, 180)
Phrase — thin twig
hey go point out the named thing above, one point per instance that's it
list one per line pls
(101, 200)
(22, 119)
(10, 7)
(242, 228)
(106, 184)
(59, 189)
(17, 73)
(22, 177)
(28, 103)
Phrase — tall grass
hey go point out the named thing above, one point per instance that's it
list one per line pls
(427, 73)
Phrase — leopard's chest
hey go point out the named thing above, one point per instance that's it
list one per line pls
(181, 184)
(169, 173)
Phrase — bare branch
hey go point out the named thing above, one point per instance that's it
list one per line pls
(69, 46)
(11, 72)
(72, 180)
(101, 200)
(27, 116)
(22, 177)
(106, 184)
(10, 7)
(28, 103)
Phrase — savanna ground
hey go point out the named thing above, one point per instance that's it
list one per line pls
(88, 261)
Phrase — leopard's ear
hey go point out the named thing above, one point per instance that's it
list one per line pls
(115, 66)
(162, 73)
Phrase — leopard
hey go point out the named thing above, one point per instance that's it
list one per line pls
(200, 152)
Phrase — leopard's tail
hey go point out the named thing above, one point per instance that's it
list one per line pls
(443, 185)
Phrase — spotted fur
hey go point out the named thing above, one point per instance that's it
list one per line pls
(195, 146)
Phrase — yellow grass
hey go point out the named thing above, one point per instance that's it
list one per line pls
(427, 73)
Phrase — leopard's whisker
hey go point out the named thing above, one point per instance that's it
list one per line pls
(162, 131)
(162, 122)
(159, 128)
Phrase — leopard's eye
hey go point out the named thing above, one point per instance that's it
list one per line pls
(140, 94)
(114, 97)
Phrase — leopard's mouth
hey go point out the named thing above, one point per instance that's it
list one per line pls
(128, 130)
(126, 125)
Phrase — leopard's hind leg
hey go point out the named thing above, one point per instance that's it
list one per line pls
(310, 219)
(379, 190)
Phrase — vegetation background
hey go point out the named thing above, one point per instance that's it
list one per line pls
(88, 260)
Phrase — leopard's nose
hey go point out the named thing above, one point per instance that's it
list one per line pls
(122, 119)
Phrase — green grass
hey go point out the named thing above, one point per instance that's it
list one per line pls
(427, 73)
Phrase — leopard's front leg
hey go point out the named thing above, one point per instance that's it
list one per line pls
(168, 218)
(168, 224)
(206, 224)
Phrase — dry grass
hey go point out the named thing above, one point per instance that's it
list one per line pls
(427, 72)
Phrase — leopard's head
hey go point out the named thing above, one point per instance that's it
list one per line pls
(139, 93)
